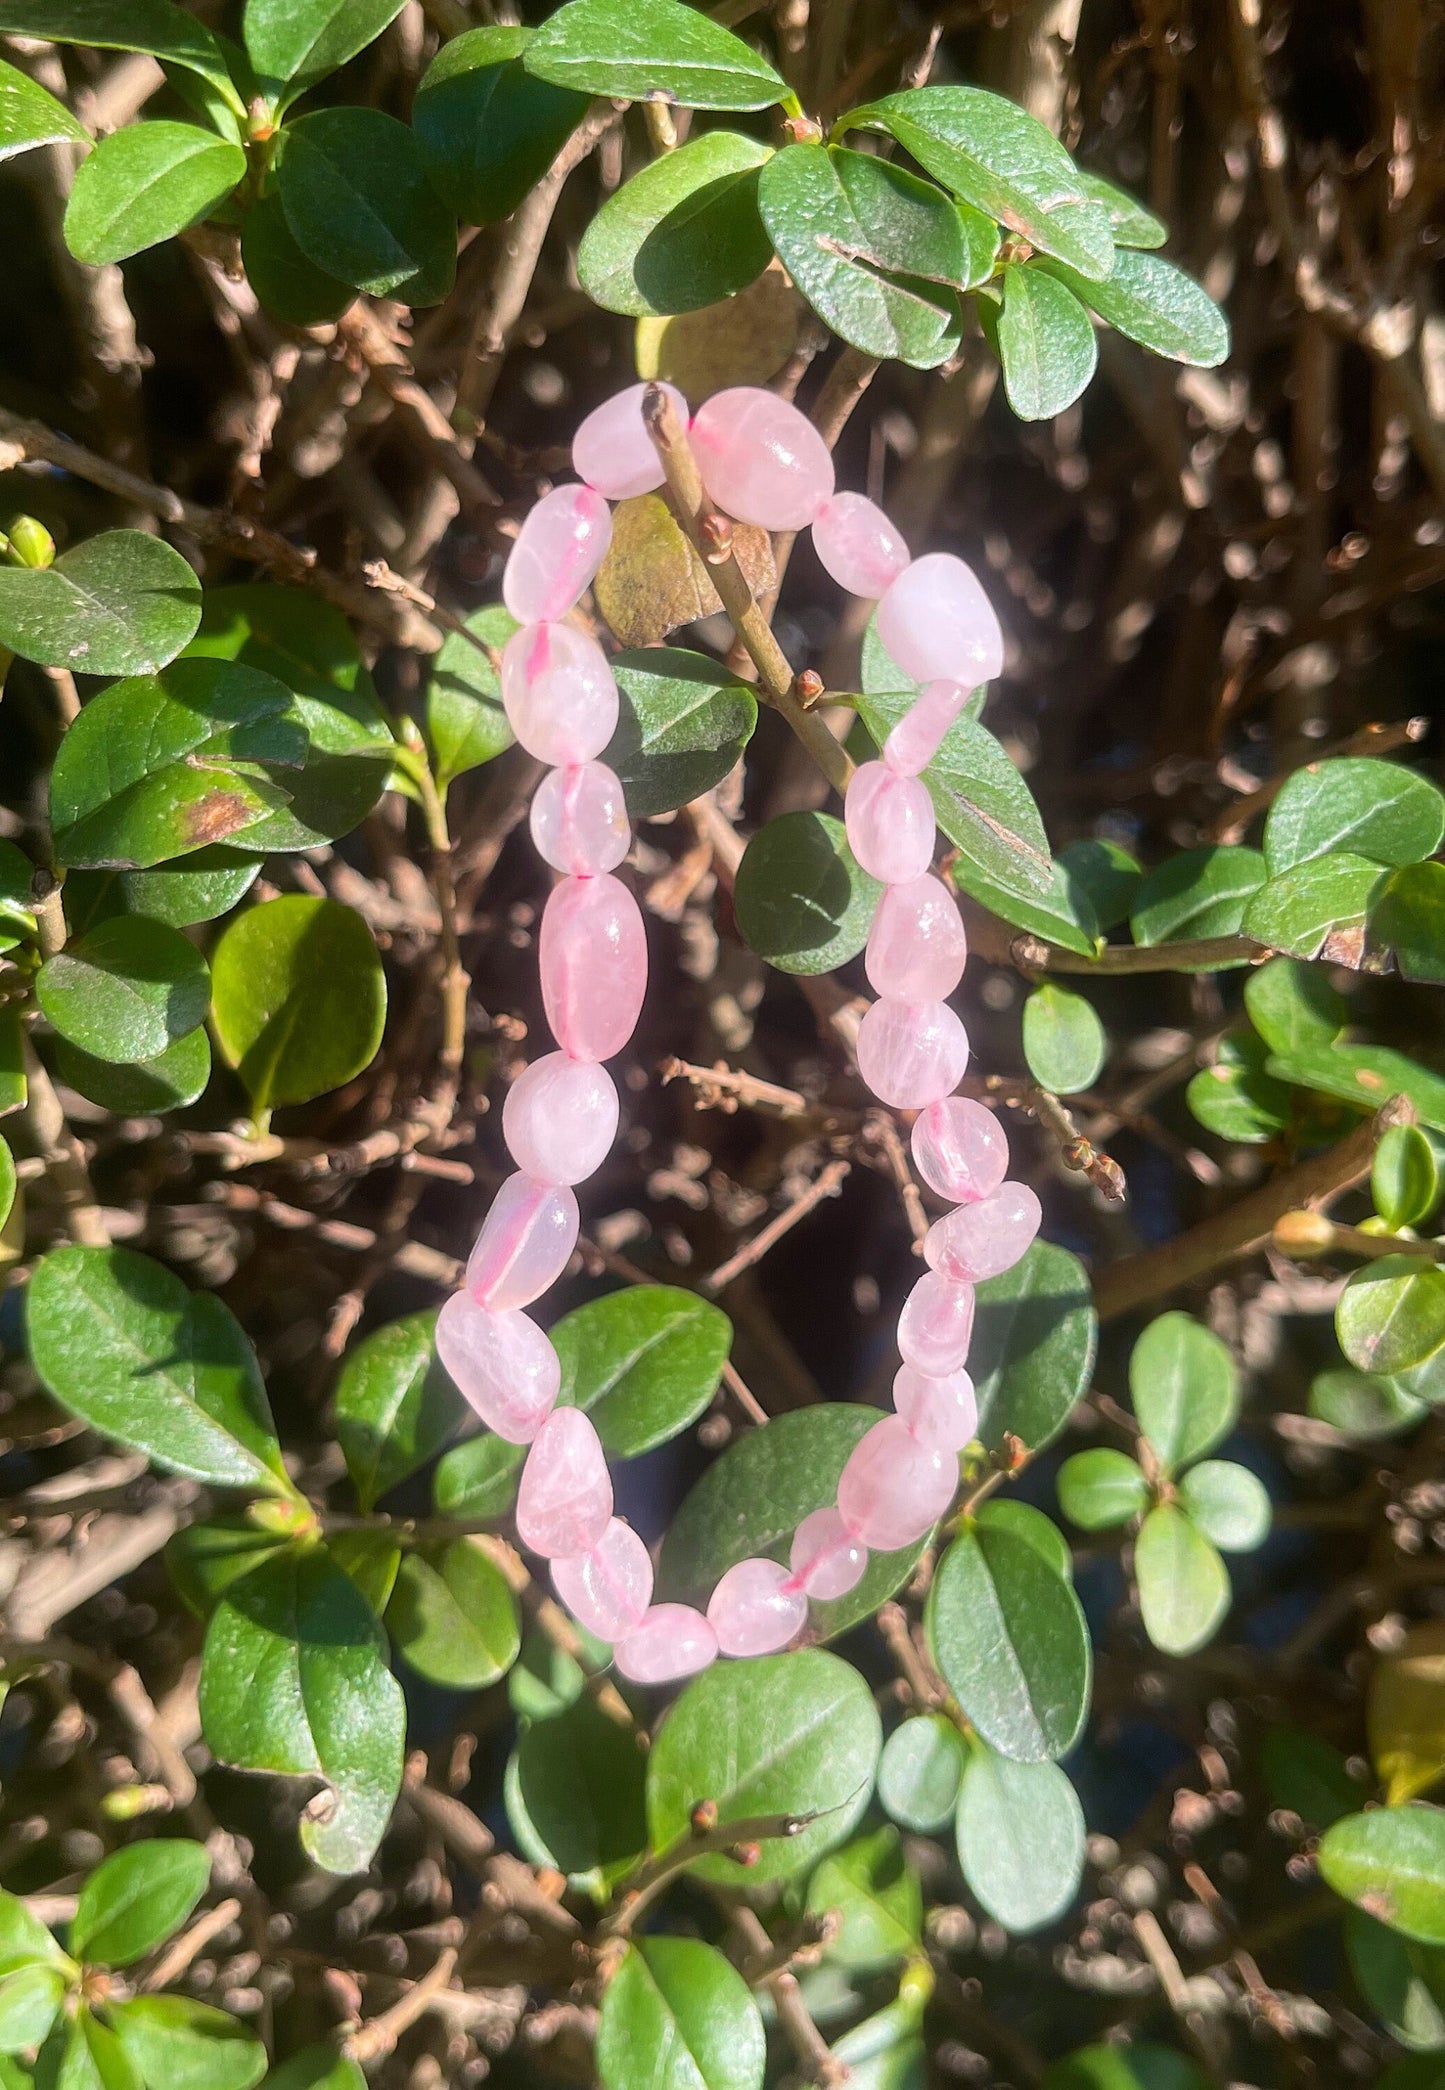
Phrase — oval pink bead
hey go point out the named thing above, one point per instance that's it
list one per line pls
(609, 1588)
(564, 1498)
(673, 1640)
(893, 1488)
(761, 459)
(911, 1053)
(890, 823)
(558, 693)
(936, 1325)
(592, 952)
(980, 1240)
(916, 949)
(579, 820)
(558, 549)
(918, 735)
(857, 545)
(613, 451)
(937, 623)
(560, 1118)
(941, 1413)
(826, 1560)
(502, 1365)
(960, 1149)
(755, 1610)
(524, 1243)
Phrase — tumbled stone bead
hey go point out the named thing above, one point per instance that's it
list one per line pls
(916, 949)
(940, 1412)
(894, 1489)
(918, 735)
(890, 823)
(960, 1149)
(592, 954)
(825, 1559)
(672, 1641)
(558, 693)
(564, 1498)
(937, 623)
(754, 1610)
(857, 545)
(524, 1243)
(911, 1053)
(761, 460)
(936, 1325)
(579, 820)
(502, 1365)
(982, 1239)
(612, 449)
(609, 1588)
(560, 1118)
(558, 549)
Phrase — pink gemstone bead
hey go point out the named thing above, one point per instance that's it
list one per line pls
(979, 1240)
(592, 952)
(918, 735)
(564, 1498)
(613, 451)
(558, 549)
(558, 693)
(761, 460)
(501, 1363)
(579, 820)
(673, 1640)
(560, 1118)
(960, 1149)
(941, 1413)
(911, 1053)
(524, 1243)
(936, 622)
(857, 545)
(916, 948)
(890, 823)
(609, 1589)
(936, 1325)
(893, 1488)
(755, 1610)
(826, 1560)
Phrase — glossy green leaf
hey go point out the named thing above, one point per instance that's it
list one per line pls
(1185, 1388)
(299, 998)
(877, 1899)
(1061, 913)
(354, 187)
(166, 31)
(288, 283)
(136, 1898)
(646, 50)
(1306, 1777)
(29, 116)
(84, 2055)
(1365, 1076)
(1150, 301)
(184, 2045)
(30, 2001)
(453, 1617)
(127, 990)
(206, 1557)
(465, 722)
(1010, 1641)
(1235, 1098)
(682, 234)
(1101, 1488)
(1184, 1589)
(1046, 344)
(395, 1406)
(1228, 1503)
(1020, 1832)
(1033, 1345)
(1293, 1007)
(885, 2051)
(1004, 1513)
(145, 183)
(209, 883)
(14, 1086)
(1404, 1983)
(478, 1478)
(1102, 875)
(677, 2015)
(1355, 807)
(319, 2067)
(1198, 893)
(1391, 1315)
(1317, 909)
(168, 1081)
(373, 1561)
(801, 899)
(24, 1939)
(543, 1682)
(794, 1734)
(1064, 1042)
(300, 41)
(1363, 1405)
(1391, 1863)
(1129, 222)
(574, 1792)
(644, 1363)
(488, 128)
(920, 1772)
(1404, 1176)
(683, 725)
(1409, 919)
(122, 603)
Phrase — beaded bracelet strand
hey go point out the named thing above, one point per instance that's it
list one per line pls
(762, 462)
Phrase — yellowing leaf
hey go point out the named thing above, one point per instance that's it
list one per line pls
(652, 581)
(1407, 1714)
(744, 340)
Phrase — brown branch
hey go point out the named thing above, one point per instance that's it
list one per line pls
(828, 1184)
(378, 2036)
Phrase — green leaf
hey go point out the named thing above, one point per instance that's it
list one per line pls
(1320, 907)
(682, 234)
(753, 1498)
(1391, 1315)
(487, 128)
(541, 1683)
(1103, 876)
(885, 2051)
(1136, 2067)
(794, 1734)
(29, 116)
(300, 41)
(1185, 1389)
(683, 725)
(121, 603)
(644, 1363)
(167, 32)
(1150, 301)
(294, 1680)
(83, 2055)
(1228, 1503)
(1033, 1346)
(801, 899)
(24, 1939)
(206, 1558)
(677, 2015)
(1002, 1513)
(465, 722)
(478, 1478)
(317, 2068)
(1362, 1405)
(1391, 1863)
(168, 1081)
(1198, 893)
(1129, 222)
(574, 1796)
(290, 286)
(1046, 344)
(1404, 1983)
(354, 187)
(1293, 1007)
(1363, 808)
(651, 50)
(145, 183)
(1305, 1776)
(1101, 1488)
(373, 1561)
(1064, 1042)
(1061, 914)
(1236, 1098)
(30, 2001)
(453, 1617)
(299, 998)
(395, 1406)
(136, 1898)
(877, 1897)
(126, 991)
(1404, 1178)
(1183, 1584)
(920, 1772)
(14, 1088)
(1010, 1642)
(1409, 918)
(122, 1342)
(184, 2045)
(1365, 1076)
(210, 884)
(1020, 1833)
(9, 1182)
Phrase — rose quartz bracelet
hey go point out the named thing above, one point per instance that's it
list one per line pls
(762, 462)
